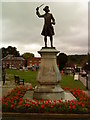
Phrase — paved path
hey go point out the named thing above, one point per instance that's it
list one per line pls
(9, 85)
(84, 81)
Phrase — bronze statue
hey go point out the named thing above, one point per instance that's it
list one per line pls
(48, 21)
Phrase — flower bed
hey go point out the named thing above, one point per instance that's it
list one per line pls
(14, 102)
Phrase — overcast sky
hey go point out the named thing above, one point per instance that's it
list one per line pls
(22, 28)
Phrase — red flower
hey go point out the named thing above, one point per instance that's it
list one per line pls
(15, 103)
(73, 106)
(73, 93)
(55, 102)
(15, 99)
(84, 99)
(33, 103)
(83, 105)
(37, 104)
(69, 107)
(30, 87)
(59, 101)
(6, 104)
(20, 99)
(27, 105)
(51, 106)
(46, 102)
(20, 103)
(11, 106)
(42, 106)
(80, 99)
(73, 103)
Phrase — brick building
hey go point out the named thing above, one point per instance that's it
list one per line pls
(13, 62)
(35, 61)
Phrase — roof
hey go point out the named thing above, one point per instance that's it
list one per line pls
(11, 57)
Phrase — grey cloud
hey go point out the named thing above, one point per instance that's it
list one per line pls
(21, 27)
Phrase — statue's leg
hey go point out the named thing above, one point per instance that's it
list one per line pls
(45, 40)
(51, 40)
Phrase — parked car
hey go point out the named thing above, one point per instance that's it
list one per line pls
(68, 70)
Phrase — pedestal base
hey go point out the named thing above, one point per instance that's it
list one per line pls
(49, 92)
(54, 96)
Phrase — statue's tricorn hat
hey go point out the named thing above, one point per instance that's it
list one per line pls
(46, 9)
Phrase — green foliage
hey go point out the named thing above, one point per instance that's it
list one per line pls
(62, 60)
(10, 50)
(86, 65)
(77, 59)
(27, 55)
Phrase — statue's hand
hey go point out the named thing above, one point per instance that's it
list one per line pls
(53, 23)
(37, 8)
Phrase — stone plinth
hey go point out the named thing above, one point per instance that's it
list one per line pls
(48, 76)
(48, 72)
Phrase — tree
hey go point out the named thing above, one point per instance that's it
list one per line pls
(62, 60)
(77, 59)
(10, 50)
(27, 56)
(86, 65)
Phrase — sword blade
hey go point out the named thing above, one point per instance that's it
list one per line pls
(41, 5)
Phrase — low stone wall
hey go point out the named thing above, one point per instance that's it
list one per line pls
(44, 116)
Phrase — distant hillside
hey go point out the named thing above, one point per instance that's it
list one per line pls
(78, 59)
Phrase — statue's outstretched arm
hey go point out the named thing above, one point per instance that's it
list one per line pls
(37, 12)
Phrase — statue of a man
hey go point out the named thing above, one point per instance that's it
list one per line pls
(48, 21)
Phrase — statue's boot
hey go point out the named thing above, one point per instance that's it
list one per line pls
(45, 45)
(45, 42)
(51, 43)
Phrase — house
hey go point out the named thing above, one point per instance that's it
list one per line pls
(35, 61)
(13, 62)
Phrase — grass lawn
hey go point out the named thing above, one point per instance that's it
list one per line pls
(30, 76)
(68, 81)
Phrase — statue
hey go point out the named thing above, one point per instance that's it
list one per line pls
(48, 22)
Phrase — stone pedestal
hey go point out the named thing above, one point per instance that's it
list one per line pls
(48, 76)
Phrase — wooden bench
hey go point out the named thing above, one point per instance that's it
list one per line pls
(18, 80)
